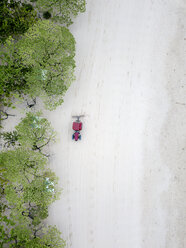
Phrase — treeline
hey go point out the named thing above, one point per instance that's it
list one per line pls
(28, 186)
(36, 62)
(37, 55)
(40, 64)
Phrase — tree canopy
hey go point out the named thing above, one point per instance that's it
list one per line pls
(40, 64)
(15, 18)
(61, 11)
(27, 186)
(36, 60)
(34, 132)
(13, 82)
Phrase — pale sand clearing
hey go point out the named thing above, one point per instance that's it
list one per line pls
(124, 181)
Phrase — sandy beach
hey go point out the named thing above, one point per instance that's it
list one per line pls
(124, 182)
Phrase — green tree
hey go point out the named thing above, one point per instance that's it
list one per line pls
(45, 64)
(13, 82)
(10, 138)
(28, 187)
(61, 11)
(33, 132)
(49, 49)
(15, 18)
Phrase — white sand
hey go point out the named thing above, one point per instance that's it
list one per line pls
(124, 181)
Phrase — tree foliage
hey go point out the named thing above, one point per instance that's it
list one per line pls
(50, 50)
(27, 186)
(15, 18)
(41, 64)
(36, 60)
(61, 11)
(13, 82)
(34, 132)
